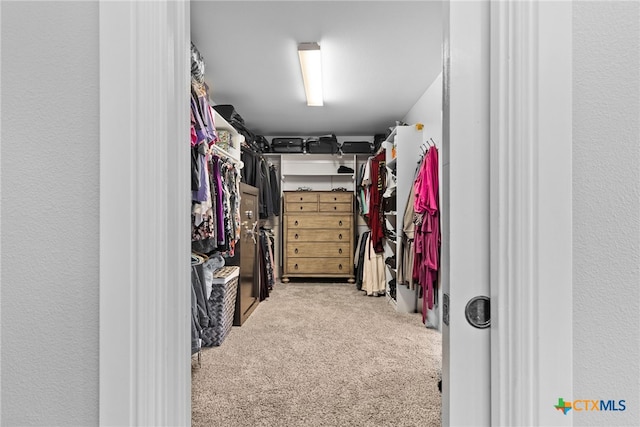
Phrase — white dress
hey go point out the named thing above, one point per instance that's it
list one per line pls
(374, 275)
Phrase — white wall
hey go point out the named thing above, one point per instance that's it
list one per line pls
(50, 188)
(606, 207)
(428, 111)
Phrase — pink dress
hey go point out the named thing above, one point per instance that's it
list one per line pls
(427, 230)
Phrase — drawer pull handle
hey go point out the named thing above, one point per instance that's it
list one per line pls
(335, 208)
(340, 267)
(296, 236)
(340, 236)
(296, 266)
(340, 223)
(300, 207)
(296, 223)
(296, 250)
(301, 199)
(335, 198)
(339, 250)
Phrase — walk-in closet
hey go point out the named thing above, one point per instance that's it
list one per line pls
(316, 222)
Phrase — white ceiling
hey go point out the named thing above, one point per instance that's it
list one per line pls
(378, 59)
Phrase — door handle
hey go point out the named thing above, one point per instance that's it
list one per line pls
(478, 312)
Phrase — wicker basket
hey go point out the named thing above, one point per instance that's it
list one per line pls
(222, 305)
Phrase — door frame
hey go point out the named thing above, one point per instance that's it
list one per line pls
(145, 328)
(531, 212)
(144, 317)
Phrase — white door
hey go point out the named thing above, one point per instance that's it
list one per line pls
(466, 394)
(507, 211)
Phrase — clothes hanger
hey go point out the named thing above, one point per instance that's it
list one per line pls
(225, 155)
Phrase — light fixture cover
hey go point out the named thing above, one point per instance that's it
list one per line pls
(311, 66)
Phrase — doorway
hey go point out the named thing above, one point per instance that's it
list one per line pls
(135, 385)
(226, 70)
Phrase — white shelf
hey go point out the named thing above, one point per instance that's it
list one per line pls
(407, 140)
(389, 141)
(317, 171)
(391, 163)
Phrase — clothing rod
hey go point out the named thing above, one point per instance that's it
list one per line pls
(224, 153)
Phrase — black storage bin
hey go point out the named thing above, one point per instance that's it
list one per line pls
(357, 147)
(327, 144)
(263, 144)
(235, 120)
(229, 113)
(287, 145)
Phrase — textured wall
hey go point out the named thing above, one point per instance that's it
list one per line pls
(606, 208)
(50, 189)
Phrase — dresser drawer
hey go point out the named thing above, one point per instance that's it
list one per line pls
(300, 197)
(335, 207)
(336, 197)
(318, 266)
(319, 221)
(301, 207)
(300, 249)
(312, 235)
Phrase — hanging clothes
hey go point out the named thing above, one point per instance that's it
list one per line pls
(265, 266)
(358, 258)
(215, 215)
(427, 228)
(407, 247)
(374, 275)
(376, 187)
(258, 173)
(275, 189)
(361, 198)
(265, 199)
(267, 263)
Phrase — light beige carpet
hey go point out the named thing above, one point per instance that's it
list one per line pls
(321, 355)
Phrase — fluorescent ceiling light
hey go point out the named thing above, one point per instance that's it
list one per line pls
(311, 66)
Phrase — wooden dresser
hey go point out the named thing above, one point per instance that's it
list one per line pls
(318, 234)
